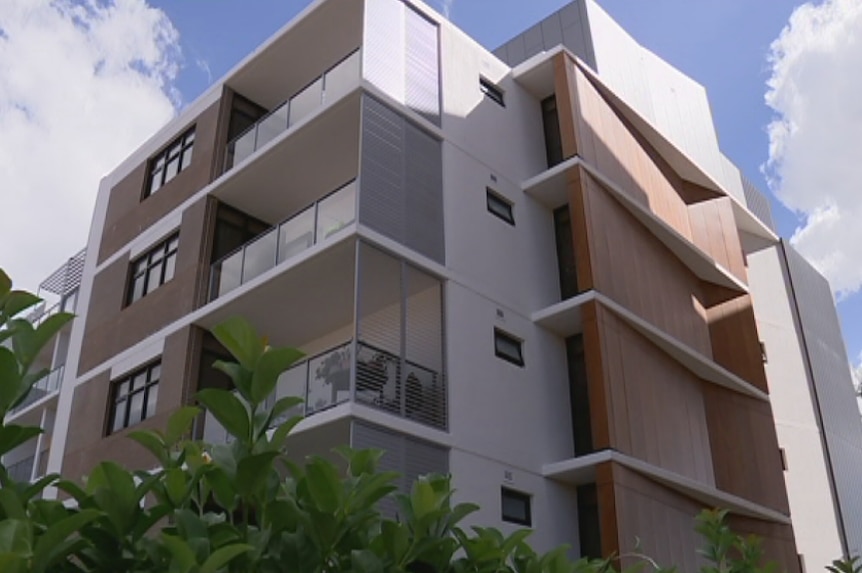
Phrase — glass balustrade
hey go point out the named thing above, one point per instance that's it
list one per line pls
(383, 381)
(286, 240)
(21, 471)
(326, 88)
(49, 383)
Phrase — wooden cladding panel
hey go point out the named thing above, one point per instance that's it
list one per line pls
(578, 208)
(777, 540)
(744, 447)
(713, 229)
(599, 410)
(735, 342)
(567, 111)
(632, 267)
(87, 444)
(607, 144)
(654, 405)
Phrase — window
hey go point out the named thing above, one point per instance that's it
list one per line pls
(153, 269)
(167, 164)
(508, 347)
(499, 206)
(515, 507)
(134, 397)
(551, 125)
(492, 92)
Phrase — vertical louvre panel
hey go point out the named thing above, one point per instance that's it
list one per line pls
(422, 84)
(757, 203)
(401, 181)
(410, 457)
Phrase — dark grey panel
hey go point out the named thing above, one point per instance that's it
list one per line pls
(401, 181)
(568, 26)
(833, 389)
(408, 456)
(757, 202)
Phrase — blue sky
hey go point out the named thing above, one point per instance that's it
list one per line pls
(150, 56)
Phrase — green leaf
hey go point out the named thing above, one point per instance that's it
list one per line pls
(5, 284)
(241, 377)
(282, 431)
(282, 405)
(114, 490)
(15, 536)
(223, 555)
(49, 546)
(28, 342)
(423, 498)
(228, 410)
(10, 380)
(238, 336)
(11, 505)
(253, 471)
(152, 441)
(324, 484)
(175, 485)
(269, 367)
(365, 561)
(183, 557)
(180, 423)
(19, 300)
(13, 436)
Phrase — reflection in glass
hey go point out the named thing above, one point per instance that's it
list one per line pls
(271, 126)
(296, 234)
(244, 146)
(340, 79)
(329, 379)
(291, 383)
(230, 273)
(259, 256)
(336, 211)
(306, 101)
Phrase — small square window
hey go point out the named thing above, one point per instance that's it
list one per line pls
(508, 347)
(168, 164)
(499, 206)
(515, 507)
(492, 92)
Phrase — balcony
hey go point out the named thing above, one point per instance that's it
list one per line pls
(329, 87)
(312, 225)
(22, 471)
(46, 385)
(377, 378)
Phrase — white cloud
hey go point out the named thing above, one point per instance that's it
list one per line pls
(815, 155)
(82, 84)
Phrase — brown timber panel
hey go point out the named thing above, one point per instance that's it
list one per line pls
(112, 327)
(735, 342)
(129, 213)
(580, 224)
(744, 446)
(598, 391)
(607, 502)
(87, 444)
(567, 110)
(778, 542)
(714, 230)
(656, 407)
(632, 267)
(609, 145)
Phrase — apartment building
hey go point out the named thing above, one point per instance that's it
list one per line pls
(531, 269)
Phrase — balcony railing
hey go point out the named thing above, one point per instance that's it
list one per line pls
(334, 83)
(284, 241)
(383, 381)
(49, 383)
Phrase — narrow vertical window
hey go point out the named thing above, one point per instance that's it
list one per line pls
(551, 125)
(499, 206)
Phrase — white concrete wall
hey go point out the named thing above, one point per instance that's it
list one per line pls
(811, 506)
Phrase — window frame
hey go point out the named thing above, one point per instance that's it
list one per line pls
(502, 335)
(178, 153)
(124, 390)
(506, 211)
(492, 91)
(156, 259)
(521, 497)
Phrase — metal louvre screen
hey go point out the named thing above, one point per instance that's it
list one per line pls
(399, 356)
(401, 56)
(408, 456)
(757, 203)
(401, 181)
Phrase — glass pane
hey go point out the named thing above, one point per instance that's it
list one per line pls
(343, 77)
(119, 415)
(172, 169)
(329, 379)
(230, 273)
(269, 128)
(123, 389)
(296, 235)
(170, 265)
(155, 372)
(244, 146)
(138, 288)
(259, 256)
(154, 275)
(336, 211)
(292, 383)
(186, 159)
(139, 381)
(136, 408)
(152, 398)
(306, 101)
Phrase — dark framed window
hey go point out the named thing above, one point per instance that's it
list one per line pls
(153, 269)
(492, 92)
(168, 164)
(508, 347)
(515, 506)
(134, 397)
(551, 126)
(499, 206)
